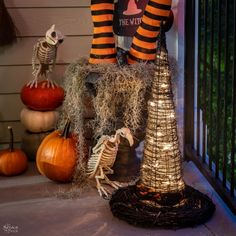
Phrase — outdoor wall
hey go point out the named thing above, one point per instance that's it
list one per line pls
(33, 18)
(72, 18)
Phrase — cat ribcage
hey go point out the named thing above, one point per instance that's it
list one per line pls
(104, 155)
(46, 53)
(109, 154)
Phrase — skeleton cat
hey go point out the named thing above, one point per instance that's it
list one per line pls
(103, 157)
(44, 56)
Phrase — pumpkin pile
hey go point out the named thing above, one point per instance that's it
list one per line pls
(40, 116)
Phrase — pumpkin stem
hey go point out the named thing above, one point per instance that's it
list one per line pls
(11, 139)
(66, 129)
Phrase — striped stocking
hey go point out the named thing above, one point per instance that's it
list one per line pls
(144, 43)
(103, 45)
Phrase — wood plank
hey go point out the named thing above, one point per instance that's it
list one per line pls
(5, 146)
(47, 3)
(18, 130)
(20, 54)
(36, 21)
(14, 77)
(70, 50)
(10, 107)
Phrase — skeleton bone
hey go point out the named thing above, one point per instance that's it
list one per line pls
(44, 56)
(103, 157)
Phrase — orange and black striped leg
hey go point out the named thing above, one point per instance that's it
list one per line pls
(103, 45)
(144, 42)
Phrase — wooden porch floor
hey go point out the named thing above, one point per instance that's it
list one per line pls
(28, 205)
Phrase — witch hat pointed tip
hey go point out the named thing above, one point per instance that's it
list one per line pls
(132, 9)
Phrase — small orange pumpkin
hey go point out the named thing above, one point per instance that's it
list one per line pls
(12, 161)
(44, 97)
(56, 156)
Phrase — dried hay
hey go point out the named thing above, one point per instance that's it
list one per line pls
(121, 95)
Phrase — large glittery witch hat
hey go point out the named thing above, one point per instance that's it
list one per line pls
(161, 170)
(161, 198)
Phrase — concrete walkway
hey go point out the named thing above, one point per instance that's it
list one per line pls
(29, 206)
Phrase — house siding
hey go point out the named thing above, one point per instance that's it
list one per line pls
(32, 19)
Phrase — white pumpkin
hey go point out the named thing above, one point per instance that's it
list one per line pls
(38, 121)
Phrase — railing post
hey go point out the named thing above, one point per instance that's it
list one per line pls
(189, 74)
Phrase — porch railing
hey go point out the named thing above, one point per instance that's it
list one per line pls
(210, 92)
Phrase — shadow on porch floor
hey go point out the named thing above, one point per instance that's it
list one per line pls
(29, 206)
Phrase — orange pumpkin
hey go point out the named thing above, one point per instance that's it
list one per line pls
(44, 97)
(12, 161)
(56, 156)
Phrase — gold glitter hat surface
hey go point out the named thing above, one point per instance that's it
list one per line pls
(161, 170)
(161, 198)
